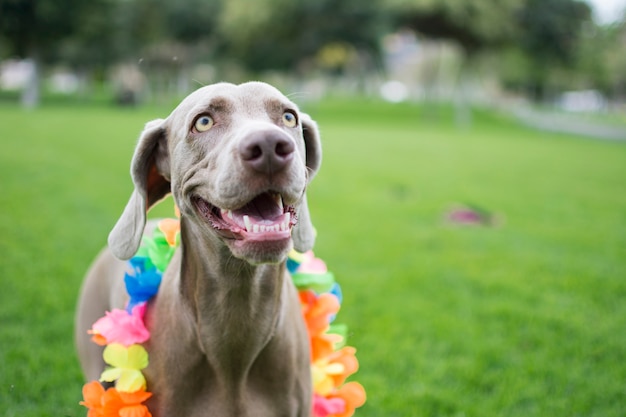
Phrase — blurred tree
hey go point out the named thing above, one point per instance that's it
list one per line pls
(31, 29)
(184, 35)
(551, 35)
(191, 21)
(615, 57)
(95, 41)
(280, 34)
(539, 35)
(474, 24)
(601, 59)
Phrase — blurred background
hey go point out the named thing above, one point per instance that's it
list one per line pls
(565, 53)
(471, 201)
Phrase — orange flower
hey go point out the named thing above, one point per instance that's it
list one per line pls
(170, 228)
(112, 403)
(92, 395)
(331, 371)
(97, 338)
(317, 310)
(124, 404)
(323, 345)
(354, 396)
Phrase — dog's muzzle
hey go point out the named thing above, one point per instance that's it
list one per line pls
(264, 218)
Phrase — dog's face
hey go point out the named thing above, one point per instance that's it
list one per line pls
(237, 160)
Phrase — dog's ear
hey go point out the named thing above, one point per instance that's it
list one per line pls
(150, 171)
(304, 233)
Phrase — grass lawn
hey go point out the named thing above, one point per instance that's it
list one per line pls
(524, 319)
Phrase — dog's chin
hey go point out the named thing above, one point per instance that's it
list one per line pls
(258, 232)
(268, 252)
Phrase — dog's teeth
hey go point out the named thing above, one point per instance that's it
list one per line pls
(279, 201)
(265, 228)
(226, 213)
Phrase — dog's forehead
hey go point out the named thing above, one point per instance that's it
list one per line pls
(251, 96)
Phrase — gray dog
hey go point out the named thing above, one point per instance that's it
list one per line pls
(227, 334)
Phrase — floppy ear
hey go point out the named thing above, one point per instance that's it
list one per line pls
(150, 171)
(303, 232)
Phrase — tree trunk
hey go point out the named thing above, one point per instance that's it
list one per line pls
(462, 105)
(31, 92)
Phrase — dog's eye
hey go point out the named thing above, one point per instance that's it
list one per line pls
(289, 119)
(203, 123)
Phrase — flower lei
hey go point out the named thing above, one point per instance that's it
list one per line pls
(332, 362)
(123, 332)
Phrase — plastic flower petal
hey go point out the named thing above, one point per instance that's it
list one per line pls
(341, 332)
(159, 250)
(317, 310)
(113, 403)
(309, 264)
(294, 260)
(92, 396)
(336, 291)
(120, 327)
(142, 285)
(313, 281)
(322, 373)
(354, 396)
(330, 372)
(126, 365)
(346, 357)
(323, 345)
(170, 229)
(324, 407)
(120, 404)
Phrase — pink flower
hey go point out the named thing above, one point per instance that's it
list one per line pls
(324, 407)
(120, 327)
(311, 265)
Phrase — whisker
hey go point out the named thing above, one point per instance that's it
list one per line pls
(298, 94)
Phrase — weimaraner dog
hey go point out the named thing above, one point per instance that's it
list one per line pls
(227, 334)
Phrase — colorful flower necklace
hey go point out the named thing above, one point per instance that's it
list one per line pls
(123, 332)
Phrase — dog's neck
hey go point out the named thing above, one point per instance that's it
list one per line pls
(237, 305)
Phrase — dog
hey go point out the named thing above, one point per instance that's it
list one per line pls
(227, 334)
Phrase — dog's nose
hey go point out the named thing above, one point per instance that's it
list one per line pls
(267, 152)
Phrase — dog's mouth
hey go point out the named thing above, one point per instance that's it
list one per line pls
(264, 218)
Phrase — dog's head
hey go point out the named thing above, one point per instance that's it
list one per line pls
(237, 160)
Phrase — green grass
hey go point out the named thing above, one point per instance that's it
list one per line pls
(524, 319)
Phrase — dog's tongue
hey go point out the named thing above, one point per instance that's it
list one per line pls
(264, 207)
(263, 218)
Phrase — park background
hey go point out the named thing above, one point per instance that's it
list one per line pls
(471, 202)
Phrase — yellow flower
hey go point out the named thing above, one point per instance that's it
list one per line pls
(323, 373)
(126, 365)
